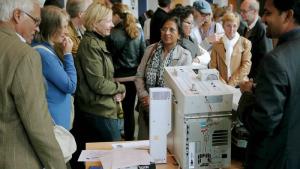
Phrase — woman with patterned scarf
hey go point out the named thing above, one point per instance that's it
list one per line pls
(166, 52)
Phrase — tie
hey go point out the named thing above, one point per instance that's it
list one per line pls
(247, 33)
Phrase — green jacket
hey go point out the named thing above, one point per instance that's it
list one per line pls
(96, 87)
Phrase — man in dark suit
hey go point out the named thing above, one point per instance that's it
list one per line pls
(270, 109)
(256, 33)
(158, 18)
(26, 131)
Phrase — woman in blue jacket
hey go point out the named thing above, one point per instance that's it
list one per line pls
(60, 74)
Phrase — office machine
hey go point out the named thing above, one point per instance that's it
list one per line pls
(159, 123)
(201, 122)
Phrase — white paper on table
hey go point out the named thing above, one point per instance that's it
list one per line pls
(106, 161)
(118, 158)
(122, 158)
(92, 155)
(133, 144)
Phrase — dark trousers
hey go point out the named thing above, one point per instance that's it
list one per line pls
(128, 107)
(101, 129)
(79, 131)
(92, 128)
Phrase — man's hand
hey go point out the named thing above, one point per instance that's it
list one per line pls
(214, 38)
(247, 86)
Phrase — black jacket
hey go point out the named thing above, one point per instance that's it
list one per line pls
(156, 23)
(126, 53)
(271, 114)
(260, 46)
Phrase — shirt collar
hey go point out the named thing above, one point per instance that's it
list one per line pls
(22, 39)
(253, 23)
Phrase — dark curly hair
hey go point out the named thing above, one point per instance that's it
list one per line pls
(289, 5)
(182, 12)
(164, 3)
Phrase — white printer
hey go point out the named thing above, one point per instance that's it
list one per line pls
(201, 118)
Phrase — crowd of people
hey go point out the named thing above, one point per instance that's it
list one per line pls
(83, 66)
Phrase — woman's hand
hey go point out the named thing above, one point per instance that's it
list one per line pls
(119, 97)
(196, 60)
(67, 45)
(145, 101)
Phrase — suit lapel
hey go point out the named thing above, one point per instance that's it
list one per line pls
(254, 30)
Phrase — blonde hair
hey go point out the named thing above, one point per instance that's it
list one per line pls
(231, 17)
(94, 13)
(128, 19)
(103, 2)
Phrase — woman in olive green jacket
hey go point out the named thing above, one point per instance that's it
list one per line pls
(97, 92)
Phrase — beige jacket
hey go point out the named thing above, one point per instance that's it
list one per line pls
(26, 131)
(74, 37)
(181, 58)
(240, 61)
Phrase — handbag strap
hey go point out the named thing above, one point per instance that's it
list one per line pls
(43, 47)
(48, 50)
(53, 121)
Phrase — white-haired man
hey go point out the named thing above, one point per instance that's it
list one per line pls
(256, 33)
(26, 131)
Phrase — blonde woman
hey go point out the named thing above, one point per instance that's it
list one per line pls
(97, 92)
(231, 56)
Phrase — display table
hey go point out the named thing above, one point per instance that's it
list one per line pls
(171, 163)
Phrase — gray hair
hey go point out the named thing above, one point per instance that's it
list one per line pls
(7, 7)
(254, 4)
(75, 6)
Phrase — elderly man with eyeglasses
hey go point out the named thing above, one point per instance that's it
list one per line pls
(205, 31)
(256, 33)
(27, 140)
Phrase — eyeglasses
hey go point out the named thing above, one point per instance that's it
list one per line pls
(37, 21)
(242, 11)
(204, 14)
(172, 30)
(187, 22)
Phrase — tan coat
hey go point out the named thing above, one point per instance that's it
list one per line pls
(74, 37)
(240, 61)
(26, 131)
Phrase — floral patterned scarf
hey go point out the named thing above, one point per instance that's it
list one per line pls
(155, 67)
